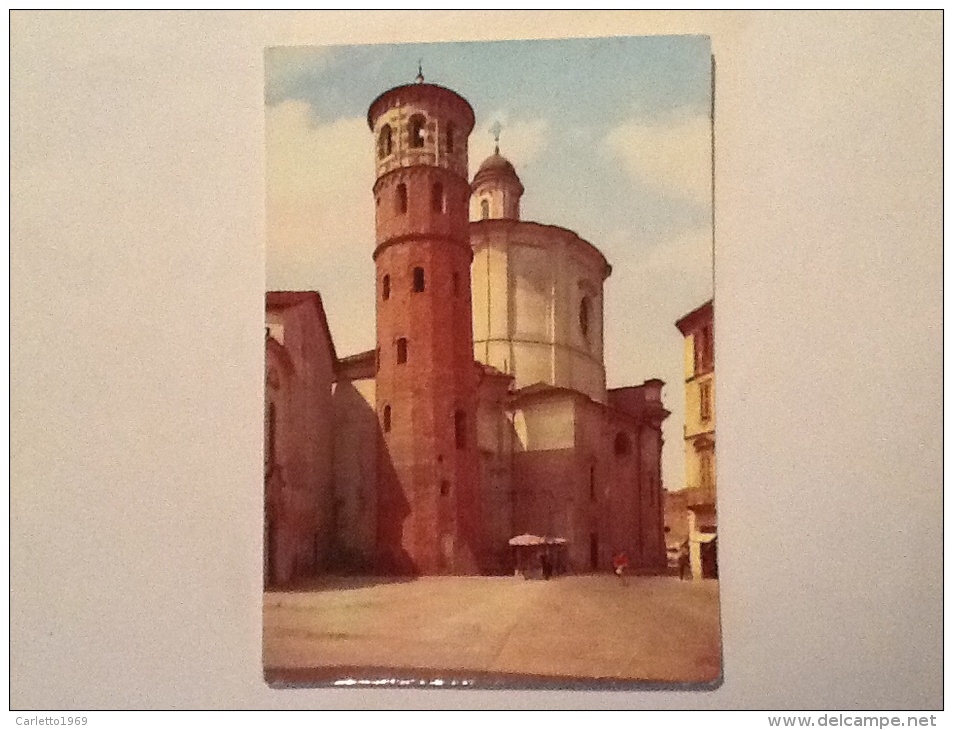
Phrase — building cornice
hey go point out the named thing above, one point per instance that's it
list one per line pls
(420, 236)
(409, 93)
(565, 234)
(417, 169)
(699, 316)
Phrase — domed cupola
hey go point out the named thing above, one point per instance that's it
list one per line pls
(496, 189)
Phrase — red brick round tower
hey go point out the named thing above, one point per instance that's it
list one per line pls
(427, 466)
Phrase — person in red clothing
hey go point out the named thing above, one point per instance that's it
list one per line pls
(619, 563)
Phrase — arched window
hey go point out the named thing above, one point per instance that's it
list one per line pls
(622, 444)
(450, 131)
(401, 198)
(484, 209)
(460, 429)
(385, 287)
(418, 279)
(417, 124)
(386, 419)
(401, 350)
(385, 142)
(584, 307)
(437, 204)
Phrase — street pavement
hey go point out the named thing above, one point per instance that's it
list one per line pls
(592, 627)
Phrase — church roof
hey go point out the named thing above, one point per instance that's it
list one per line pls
(544, 229)
(489, 370)
(545, 389)
(277, 300)
(699, 315)
(497, 162)
(496, 167)
(420, 93)
(359, 366)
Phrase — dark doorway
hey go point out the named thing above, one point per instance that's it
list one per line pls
(709, 556)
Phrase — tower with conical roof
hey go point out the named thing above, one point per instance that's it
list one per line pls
(427, 465)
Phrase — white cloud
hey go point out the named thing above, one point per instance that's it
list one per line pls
(285, 66)
(320, 216)
(521, 140)
(307, 158)
(671, 154)
(320, 209)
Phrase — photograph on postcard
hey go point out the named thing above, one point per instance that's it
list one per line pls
(489, 398)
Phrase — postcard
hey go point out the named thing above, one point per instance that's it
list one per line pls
(489, 417)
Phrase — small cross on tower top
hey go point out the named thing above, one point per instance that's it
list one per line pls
(495, 131)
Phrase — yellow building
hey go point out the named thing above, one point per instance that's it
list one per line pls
(696, 327)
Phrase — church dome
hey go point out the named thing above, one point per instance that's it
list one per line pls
(495, 167)
(496, 190)
(496, 161)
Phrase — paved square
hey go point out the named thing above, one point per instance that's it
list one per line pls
(653, 629)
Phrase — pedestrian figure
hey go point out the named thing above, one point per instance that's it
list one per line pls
(683, 561)
(619, 563)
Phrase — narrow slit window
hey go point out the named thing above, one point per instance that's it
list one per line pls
(385, 143)
(460, 429)
(401, 350)
(584, 309)
(444, 488)
(402, 198)
(705, 401)
(704, 350)
(706, 480)
(385, 287)
(417, 124)
(709, 359)
(418, 279)
(386, 419)
(621, 444)
(592, 483)
(450, 131)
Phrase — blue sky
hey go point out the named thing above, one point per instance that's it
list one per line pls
(582, 86)
(611, 138)
(581, 76)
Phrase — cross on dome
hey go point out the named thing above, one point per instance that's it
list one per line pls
(495, 131)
